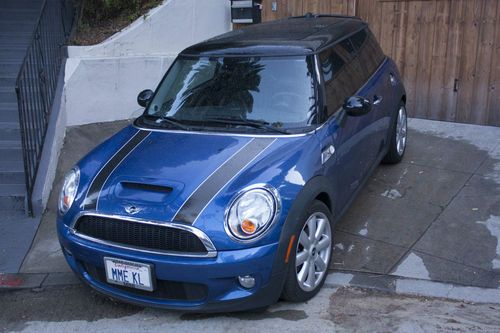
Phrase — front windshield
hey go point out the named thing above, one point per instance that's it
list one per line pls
(276, 91)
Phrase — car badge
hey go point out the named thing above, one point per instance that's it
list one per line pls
(132, 209)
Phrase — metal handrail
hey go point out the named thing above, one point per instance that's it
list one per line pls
(37, 80)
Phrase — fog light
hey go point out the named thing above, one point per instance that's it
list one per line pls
(247, 281)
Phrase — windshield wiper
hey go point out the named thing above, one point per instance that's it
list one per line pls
(172, 121)
(247, 122)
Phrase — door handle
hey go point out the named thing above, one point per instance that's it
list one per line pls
(377, 99)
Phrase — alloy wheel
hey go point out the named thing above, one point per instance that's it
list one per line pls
(313, 251)
(401, 128)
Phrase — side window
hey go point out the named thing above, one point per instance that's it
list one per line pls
(331, 64)
(358, 39)
(369, 54)
(347, 66)
(347, 48)
(336, 77)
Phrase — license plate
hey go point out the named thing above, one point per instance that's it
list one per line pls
(129, 273)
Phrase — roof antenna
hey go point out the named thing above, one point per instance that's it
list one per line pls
(309, 15)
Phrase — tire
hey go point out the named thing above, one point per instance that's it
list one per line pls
(399, 137)
(294, 290)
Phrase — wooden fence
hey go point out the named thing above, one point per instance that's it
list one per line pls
(448, 51)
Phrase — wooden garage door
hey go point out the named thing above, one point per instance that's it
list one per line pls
(448, 51)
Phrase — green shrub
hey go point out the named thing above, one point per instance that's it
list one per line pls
(96, 11)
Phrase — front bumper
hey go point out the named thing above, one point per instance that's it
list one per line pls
(183, 283)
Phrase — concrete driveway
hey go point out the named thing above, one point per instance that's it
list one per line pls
(435, 216)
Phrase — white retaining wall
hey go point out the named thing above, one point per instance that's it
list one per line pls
(102, 81)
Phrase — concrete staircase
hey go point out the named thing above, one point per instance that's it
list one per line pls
(17, 22)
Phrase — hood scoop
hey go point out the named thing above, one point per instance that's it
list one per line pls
(146, 187)
(144, 191)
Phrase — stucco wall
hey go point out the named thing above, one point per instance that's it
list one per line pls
(105, 89)
(102, 81)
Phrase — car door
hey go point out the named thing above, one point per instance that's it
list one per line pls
(375, 85)
(356, 140)
(343, 135)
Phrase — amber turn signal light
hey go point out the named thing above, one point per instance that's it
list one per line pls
(248, 226)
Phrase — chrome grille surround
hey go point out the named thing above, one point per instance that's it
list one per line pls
(211, 250)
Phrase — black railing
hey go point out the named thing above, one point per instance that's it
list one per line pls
(37, 81)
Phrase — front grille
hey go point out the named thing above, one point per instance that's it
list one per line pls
(139, 235)
(163, 290)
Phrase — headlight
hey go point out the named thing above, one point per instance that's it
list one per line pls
(252, 212)
(68, 191)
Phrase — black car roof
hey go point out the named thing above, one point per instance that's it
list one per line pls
(292, 36)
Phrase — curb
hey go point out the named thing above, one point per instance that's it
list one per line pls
(414, 287)
(36, 280)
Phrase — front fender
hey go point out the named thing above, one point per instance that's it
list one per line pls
(318, 186)
(288, 165)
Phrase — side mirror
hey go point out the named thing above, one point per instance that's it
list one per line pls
(356, 106)
(144, 97)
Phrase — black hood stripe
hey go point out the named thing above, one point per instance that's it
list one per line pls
(95, 188)
(200, 198)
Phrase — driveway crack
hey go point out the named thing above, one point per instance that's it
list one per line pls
(443, 208)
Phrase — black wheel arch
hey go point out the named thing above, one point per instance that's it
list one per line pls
(317, 188)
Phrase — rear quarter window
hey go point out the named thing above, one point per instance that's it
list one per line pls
(369, 54)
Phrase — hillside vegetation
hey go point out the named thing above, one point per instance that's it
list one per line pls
(99, 19)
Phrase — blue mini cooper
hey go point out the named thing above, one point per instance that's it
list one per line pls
(223, 195)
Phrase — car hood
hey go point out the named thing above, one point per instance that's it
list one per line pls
(154, 174)
(190, 177)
